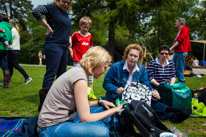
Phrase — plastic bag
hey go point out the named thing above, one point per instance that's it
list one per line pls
(175, 95)
(198, 109)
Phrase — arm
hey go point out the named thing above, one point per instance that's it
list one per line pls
(70, 48)
(91, 42)
(144, 77)
(151, 74)
(37, 13)
(110, 81)
(82, 104)
(174, 45)
(173, 76)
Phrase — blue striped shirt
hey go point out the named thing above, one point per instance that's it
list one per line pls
(159, 73)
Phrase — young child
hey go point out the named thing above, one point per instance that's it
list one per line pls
(81, 42)
(3, 39)
(40, 56)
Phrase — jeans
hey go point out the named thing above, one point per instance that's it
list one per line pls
(56, 62)
(160, 109)
(13, 61)
(3, 63)
(179, 60)
(3, 60)
(77, 129)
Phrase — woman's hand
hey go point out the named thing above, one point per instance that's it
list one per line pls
(120, 90)
(155, 94)
(107, 104)
(49, 30)
(119, 108)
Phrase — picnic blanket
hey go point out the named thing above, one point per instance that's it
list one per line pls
(18, 127)
(11, 126)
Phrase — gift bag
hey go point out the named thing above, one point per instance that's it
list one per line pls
(175, 95)
(137, 91)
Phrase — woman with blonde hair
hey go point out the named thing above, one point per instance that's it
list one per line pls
(14, 52)
(58, 27)
(68, 95)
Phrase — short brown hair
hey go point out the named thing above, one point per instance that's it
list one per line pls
(56, 2)
(134, 46)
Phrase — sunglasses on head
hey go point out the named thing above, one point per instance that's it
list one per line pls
(164, 53)
(66, 2)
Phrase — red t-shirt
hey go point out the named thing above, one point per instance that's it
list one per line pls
(81, 44)
(183, 39)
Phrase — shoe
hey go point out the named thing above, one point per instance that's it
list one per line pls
(28, 80)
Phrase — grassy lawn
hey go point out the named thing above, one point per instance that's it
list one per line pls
(22, 100)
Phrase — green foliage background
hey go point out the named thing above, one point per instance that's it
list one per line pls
(116, 23)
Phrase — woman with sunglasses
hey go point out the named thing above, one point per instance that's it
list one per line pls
(58, 27)
(161, 70)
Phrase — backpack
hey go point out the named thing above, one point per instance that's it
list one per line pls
(137, 91)
(143, 117)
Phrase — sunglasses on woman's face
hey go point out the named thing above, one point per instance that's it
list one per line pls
(164, 53)
(66, 2)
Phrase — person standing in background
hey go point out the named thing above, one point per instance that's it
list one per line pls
(40, 56)
(81, 42)
(58, 27)
(4, 25)
(181, 47)
(14, 52)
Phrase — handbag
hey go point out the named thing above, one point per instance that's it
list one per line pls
(137, 91)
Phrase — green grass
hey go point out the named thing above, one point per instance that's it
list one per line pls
(22, 100)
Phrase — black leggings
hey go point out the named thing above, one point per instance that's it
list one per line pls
(13, 61)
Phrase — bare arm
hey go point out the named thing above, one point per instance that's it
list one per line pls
(154, 82)
(174, 45)
(82, 104)
(70, 48)
(172, 81)
(48, 28)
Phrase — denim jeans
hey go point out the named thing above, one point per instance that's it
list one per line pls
(56, 62)
(77, 129)
(3, 60)
(179, 60)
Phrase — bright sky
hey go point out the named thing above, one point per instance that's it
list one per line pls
(40, 2)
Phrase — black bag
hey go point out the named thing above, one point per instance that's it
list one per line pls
(143, 117)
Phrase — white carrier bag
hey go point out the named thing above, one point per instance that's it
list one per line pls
(137, 91)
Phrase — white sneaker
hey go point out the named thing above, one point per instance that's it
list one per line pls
(28, 80)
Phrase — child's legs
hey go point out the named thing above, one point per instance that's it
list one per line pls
(40, 61)
(90, 81)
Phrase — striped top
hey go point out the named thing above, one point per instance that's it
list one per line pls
(39, 11)
(159, 73)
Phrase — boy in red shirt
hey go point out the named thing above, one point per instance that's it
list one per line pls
(81, 42)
